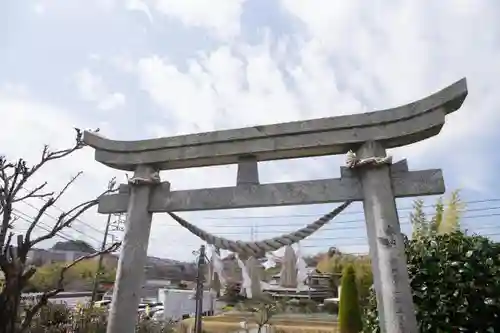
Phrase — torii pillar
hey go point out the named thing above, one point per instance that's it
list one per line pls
(377, 186)
(390, 274)
(133, 256)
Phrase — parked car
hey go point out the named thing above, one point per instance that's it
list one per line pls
(158, 315)
(103, 303)
(108, 295)
(149, 308)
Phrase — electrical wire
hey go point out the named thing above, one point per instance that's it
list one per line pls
(403, 221)
(61, 210)
(69, 227)
(345, 224)
(484, 231)
(246, 217)
(40, 226)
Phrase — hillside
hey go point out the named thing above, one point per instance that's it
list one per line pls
(156, 268)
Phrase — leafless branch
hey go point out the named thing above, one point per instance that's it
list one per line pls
(7, 243)
(12, 221)
(64, 221)
(66, 218)
(50, 202)
(37, 218)
(46, 156)
(60, 285)
(4, 258)
(72, 180)
(35, 193)
(14, 176)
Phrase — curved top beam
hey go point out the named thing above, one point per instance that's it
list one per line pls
(394, 127)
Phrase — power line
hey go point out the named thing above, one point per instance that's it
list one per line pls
(61, 210)
(403, 220)
(56, 219)
(313, 238)
(357, 244)
(485, 231)
(41, 226)
(246, 217)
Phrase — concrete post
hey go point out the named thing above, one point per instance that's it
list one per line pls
(394, 299)
(130, 273)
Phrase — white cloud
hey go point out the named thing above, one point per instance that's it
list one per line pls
(90, 87)
(14, 89)
(105, 5)
(140, 6)
(93, 89)
(219, 90)
(39, 8)
(112, 101)
(123, 64)
(94, 56)
(350, 57)
(220, 17)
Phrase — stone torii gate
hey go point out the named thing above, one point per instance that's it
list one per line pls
(375, 184)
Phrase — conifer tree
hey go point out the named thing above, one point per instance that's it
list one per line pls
(349, 309)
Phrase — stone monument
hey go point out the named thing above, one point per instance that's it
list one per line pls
(368, 177)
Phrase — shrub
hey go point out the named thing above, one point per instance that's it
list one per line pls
(336, 263)
(455, 284)
(349, 309)
(58, 318)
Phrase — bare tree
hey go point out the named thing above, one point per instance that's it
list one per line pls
(13, 258)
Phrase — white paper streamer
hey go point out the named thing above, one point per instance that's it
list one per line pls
(218, 265)
(302, 272)
(272, 260)
(246, 284)
(270, 263)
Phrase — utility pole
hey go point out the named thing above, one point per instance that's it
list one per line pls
(199, 290)
(97, 276)
(99, 263)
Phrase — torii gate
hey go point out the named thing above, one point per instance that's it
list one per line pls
(377, 185)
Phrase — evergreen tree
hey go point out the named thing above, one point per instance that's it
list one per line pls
(349, 309)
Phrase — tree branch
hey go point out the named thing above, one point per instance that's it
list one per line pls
(4, 255)
(47, 156)
(14, 176)
(34, 193)
(50, 202)
(30, 313)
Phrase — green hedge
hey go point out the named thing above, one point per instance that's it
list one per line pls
(455, 280)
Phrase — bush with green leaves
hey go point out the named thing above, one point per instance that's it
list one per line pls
(349, 308)
(455, 281)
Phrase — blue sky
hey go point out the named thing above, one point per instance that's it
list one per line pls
(140, 69)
